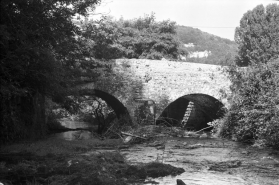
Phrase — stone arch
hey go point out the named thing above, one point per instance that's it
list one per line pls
(192, 111)
(119, 109)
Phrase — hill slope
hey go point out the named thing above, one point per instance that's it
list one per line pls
(222, 50)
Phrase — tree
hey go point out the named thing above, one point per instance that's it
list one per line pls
(95, 111)
(102, 36)
(41, 49)
(254, 113)
(42, 54)
(258, 35)
(138, 38)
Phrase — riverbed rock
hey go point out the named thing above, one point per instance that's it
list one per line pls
(180, 182)
(156, 144)
(162, 147)
(156, 169)
(194, 146)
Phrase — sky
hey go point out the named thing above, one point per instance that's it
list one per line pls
(218, 17)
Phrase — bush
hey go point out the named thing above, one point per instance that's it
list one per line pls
(154, 56)
(137, 38)
(254, 112)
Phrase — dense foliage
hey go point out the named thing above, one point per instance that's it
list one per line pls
(258, 35)
(222, 50)
(144, 37)
(41, 55)
(39, 45)
(138, 38)
(254, 113)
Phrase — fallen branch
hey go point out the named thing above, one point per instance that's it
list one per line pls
(118, 135)
(202, 129)
(167, 123)
(109, 129)
(128, 134)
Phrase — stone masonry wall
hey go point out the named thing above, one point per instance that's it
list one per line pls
(163, 80)
(175, 79)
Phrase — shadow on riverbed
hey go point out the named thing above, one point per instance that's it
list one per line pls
(68, 162)
(106, 162)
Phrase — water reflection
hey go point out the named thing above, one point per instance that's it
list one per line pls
(74, 135)
(74, 124)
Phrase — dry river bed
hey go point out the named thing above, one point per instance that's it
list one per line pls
(209, 161)
(206, 161)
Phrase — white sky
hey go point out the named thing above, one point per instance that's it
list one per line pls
(218, 17)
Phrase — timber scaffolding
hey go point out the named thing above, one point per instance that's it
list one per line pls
(187, 114)
(192, 112)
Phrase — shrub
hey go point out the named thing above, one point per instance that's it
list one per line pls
(254, 112)
(154, 56)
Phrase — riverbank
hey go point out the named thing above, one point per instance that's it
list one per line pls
(104, 162)
(92, 161)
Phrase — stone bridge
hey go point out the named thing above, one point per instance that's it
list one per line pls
(139, 86)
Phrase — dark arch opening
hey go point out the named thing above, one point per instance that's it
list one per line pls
(119, 109)
(192, 111)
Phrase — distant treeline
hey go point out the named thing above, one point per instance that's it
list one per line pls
(137, 38)
(144, 37)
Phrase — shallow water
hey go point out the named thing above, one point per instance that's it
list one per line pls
(74, 135)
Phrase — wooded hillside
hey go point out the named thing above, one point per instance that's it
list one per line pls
(222, 50)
